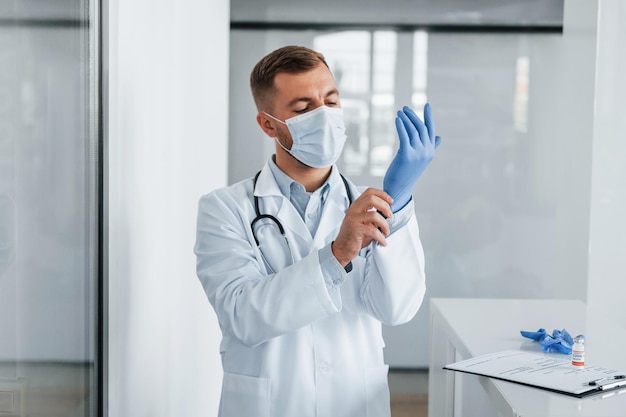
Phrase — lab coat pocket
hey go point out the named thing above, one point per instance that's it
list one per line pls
(377, 392)
(245, 396)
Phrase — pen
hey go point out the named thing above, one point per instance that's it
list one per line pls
(620, 383)
(612, 378)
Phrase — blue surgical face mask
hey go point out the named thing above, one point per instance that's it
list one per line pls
(318, 136)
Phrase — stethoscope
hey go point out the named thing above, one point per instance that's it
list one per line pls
(273, 220)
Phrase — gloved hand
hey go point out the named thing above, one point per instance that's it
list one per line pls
(417, 149)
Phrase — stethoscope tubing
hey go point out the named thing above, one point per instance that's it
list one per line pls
(276, 221)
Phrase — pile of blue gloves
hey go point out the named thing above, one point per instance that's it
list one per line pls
(559, 341)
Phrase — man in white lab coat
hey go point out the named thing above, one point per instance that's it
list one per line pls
(301, 266)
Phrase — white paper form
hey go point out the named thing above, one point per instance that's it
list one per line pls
(553, 372)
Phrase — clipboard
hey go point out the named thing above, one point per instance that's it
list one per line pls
(550, 372)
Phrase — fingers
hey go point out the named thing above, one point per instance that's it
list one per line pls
(402, 134)
(410, 128)
(430, 124)
(378, 235)
(412, 125)
(371, 210)
(373, 200)
(363, 223)
(369, 226)
(375, 220)
(357, 231)
(418, 125)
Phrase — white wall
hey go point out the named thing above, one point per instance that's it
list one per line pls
(607, 246)
(168, 102)
(563, 113)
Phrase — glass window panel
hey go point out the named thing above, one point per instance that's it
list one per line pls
(48, 210)
(381, 142)
(348, 55)
(420, 61)
(522, 79)
(384, 58)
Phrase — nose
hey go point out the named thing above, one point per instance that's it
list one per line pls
(317, 103)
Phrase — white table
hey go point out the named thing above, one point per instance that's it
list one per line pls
(464, 328)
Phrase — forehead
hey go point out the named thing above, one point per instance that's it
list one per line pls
(313, 84)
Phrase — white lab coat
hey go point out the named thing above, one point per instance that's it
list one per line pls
(289, 348)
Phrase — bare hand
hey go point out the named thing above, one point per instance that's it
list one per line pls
(363, 224)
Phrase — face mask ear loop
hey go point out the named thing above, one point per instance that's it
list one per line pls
(281, 145)
(275, 138)
(278, 120)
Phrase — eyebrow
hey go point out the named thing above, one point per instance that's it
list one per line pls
(308, 99)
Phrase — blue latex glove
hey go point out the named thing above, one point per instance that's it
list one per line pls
(417, 149)
(560, 340)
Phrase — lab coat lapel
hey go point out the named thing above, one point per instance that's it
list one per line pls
(273, 202)
(291, 220)
(334, 211)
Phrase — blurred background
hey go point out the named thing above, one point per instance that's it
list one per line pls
(495, 208)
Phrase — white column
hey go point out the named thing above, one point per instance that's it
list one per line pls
(607, 240)
(167, 145)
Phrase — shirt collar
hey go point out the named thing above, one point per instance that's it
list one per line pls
(286, 184)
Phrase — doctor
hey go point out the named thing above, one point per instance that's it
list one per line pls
(301, 266)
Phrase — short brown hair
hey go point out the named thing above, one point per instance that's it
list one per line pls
(291, 59)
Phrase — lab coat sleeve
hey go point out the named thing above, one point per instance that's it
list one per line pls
(394, 283)
(251, 306)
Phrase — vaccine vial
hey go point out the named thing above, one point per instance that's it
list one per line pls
(578, 352)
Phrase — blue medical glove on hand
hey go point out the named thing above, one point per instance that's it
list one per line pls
(417, 149)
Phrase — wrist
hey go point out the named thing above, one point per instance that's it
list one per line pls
(400, 203)
(341, 258)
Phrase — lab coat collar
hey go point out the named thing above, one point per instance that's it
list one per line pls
(279, 206)
(266, 184)
(272, 201)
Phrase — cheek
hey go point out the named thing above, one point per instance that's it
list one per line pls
(284, 136)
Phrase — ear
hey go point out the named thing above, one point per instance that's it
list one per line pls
(267, 124)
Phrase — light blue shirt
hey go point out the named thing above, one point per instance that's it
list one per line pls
(310, 206)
